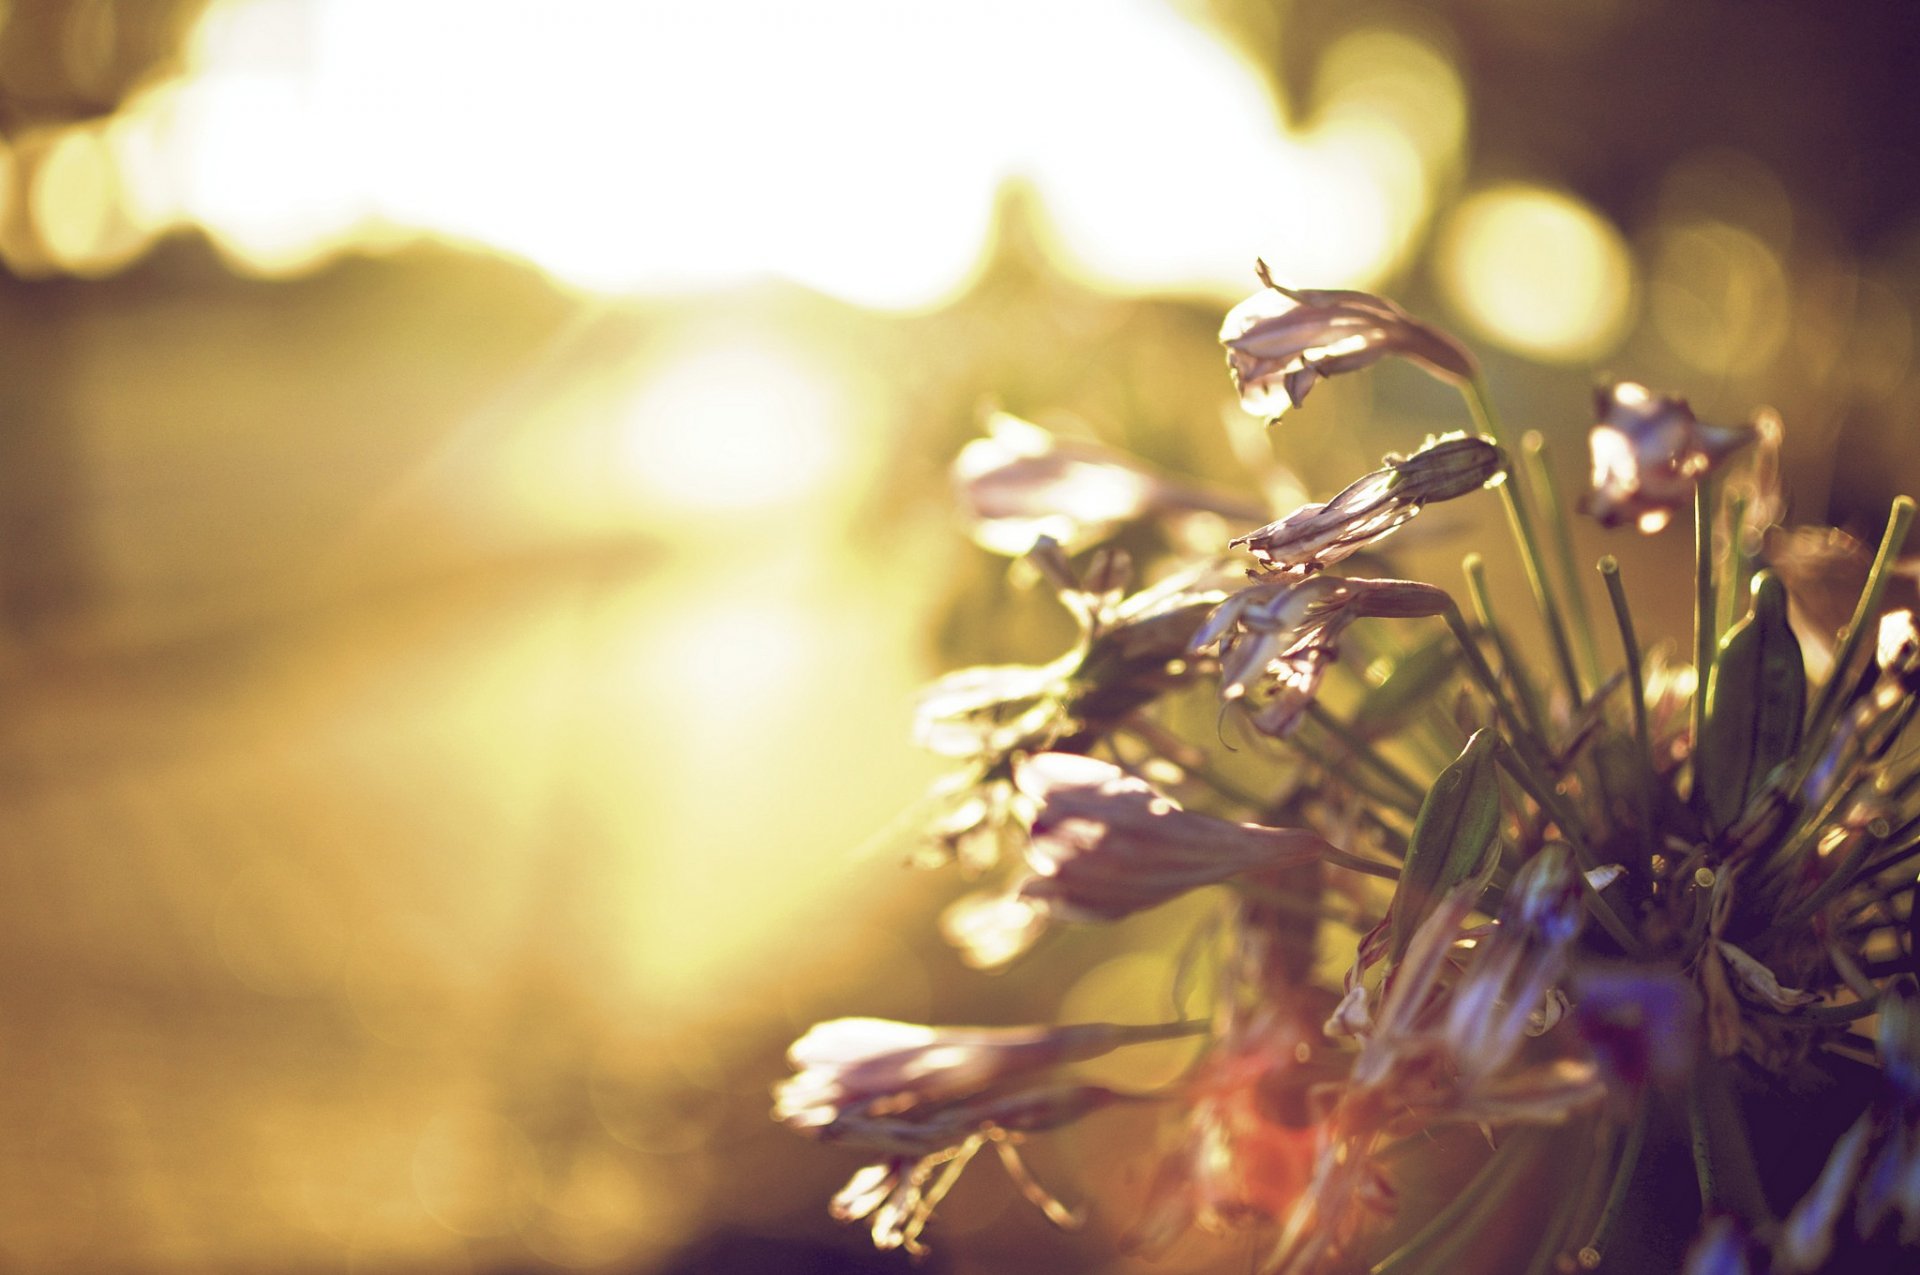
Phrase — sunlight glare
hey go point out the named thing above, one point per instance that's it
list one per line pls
(734, 425)
(854, 146)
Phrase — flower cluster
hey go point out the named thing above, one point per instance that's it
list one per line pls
(1585, 908)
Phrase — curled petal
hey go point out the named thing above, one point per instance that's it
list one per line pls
(1280, 342)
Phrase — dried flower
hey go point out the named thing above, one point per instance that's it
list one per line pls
(1319, 535)
(1280, 342)
(1648, 453)
(1021, 483)
(1276, 637)
(929, 1098)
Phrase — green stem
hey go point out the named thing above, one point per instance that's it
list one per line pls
(1364, 750)
(1477, 663)
(1542, 792)
(1722, 1157)
(1477, 593)
(1704, 618)
(1596, 1245)
(1540, 475)
(1480, 404)
(1434, 1245)
(1899, 519)
(1637, 692)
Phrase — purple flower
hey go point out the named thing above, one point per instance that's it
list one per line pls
(1281, 341)
(1648, 454)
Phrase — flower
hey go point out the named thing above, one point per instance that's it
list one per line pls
(1648, 453)
(1021, 483)
(1281, 341)
(1369, 509)
(1276, 637)
(1104, 845)
(929, 1097)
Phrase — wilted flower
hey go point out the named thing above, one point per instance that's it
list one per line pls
(1104, 844)
(929, 1098)
(1648, 453)
(1021, 482)
(1280, 342)
(1320, 535)
(1276, 637)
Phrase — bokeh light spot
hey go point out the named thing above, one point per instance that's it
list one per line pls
(1537, 271)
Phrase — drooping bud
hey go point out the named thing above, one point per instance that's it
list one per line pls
(1648, 454)
(1318, 535)
(1280, 342)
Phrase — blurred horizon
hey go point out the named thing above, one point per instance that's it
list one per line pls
(473, 520)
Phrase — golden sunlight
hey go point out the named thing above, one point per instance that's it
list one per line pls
(855, 147)
(728, 426)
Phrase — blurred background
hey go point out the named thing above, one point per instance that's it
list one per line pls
(473, 517)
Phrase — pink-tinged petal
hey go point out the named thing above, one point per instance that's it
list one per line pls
(1281, 341)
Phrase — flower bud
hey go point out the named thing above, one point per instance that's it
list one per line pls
(1368, 510)
(1756, 700)
(1451, 838)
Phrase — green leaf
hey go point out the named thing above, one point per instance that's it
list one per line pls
(1453, 838)
(1756, 705)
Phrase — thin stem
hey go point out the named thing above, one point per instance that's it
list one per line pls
(1550, 802)
(1540, 480)
(1596, 1245)
(1703, 620)
(1476, 568)
(1467, 1213)
(1477, 662)
(1480, 404)
(1630, 644)
(1364, 750)
(1637, 693)
(1899, 519)
(1722, 1157)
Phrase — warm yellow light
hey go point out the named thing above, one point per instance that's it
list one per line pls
(852, 145)
(1539, 272)
(733, 426)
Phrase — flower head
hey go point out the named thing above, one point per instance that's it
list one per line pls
(1277, 637)
(1648, 453)
(929, 1098)
(1021, 482)
(1319, 535)
(1104, 844)
(1280, 342)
